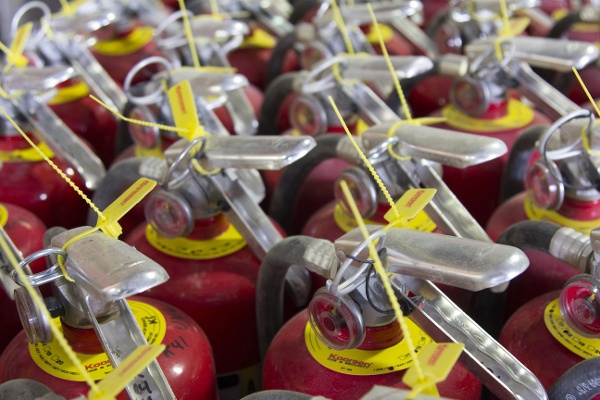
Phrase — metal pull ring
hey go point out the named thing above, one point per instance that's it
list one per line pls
(42, 277)
(155, 96)
(15, 23)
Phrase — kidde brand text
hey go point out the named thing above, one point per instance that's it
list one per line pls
(96, 365)
(348, 361)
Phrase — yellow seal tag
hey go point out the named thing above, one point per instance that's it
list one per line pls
(14, 55)
(366, 362)
(582, 346)
(436, 360)
(52, 359)
(185, 114)
(227, 243)
(421, 222)
(387, 34)
(3, 215)
(536, 213)
(70, 93)
(26, 155)
(131, 43)
(518, 116)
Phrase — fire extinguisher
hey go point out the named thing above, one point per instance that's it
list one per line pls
(482, 104)
(336, 347)
(302, 99)
(444, 214)
(23, 231)
(27, 179)
(580, 25)
(119, 39)
(214, 39)
(313, 39)
(561, 188)
(559, 329)
(207, 230)
(102, 327)
(72, 103)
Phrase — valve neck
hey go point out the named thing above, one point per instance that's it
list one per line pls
(495, 110)
(84, 341)
(579, 209)
(382, 337)
(209, 228)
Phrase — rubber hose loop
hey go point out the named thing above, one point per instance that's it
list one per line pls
(514, 173)
(586, 375)
(293, 178)
(276, 93)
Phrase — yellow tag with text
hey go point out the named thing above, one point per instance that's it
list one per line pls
(437, 360)
(184, 110)
(535, 213)
(3, 215)
(366, 362)
(53, 359)
(15, 54)
(411, 203)
(227, 243)
(558, 328)
(126, 372)
(125, 202)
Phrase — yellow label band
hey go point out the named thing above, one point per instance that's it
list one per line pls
(131, 43)
(227, 243)
(421, 222)
(52, 359)
(3, 215)
(580, 345)
(258, 39)
(518, 116)
(149, 152)
(26, 155)
(70, 93)
(536, 213)
(366, 362)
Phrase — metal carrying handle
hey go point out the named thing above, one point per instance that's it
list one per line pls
(6, 267)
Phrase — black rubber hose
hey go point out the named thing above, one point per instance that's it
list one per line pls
(124, 140)
(301, 8)
(278, 395)
(277, 60)
(564, 25)
(580, 382)
(271, 283)
(293, 178)
(516, 167)
(277, 91)
(118, 178)
(487, 307)
(26, 389)
(530, 235)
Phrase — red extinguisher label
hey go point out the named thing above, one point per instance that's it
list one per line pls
(52, 358)
(580, 345)
(366, 362)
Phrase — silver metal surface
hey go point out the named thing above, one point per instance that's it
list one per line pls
(6, 267)
(456, 149)
(107, 268)
(487, 359)
(385, 11)
(35, 79)
(375, 67)
(416, 36)
(572, 247)
(50, 129)
(556, 54)
(257, 229)
(463, 263)
(260, 152)
(546, 98)
(119, 337)
(371, 108)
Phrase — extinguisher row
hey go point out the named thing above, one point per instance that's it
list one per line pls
(229, 125)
